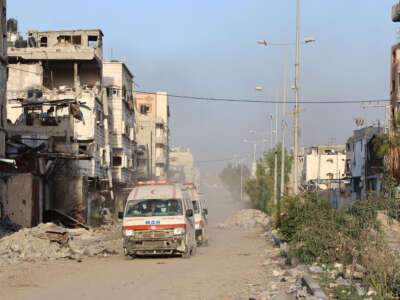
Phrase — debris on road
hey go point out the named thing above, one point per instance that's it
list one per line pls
(246, 219)
(50, 242)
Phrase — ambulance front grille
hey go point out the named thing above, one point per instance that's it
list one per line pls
(154, 234)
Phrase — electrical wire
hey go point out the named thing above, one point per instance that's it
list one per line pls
(238, 100)
(241, 100)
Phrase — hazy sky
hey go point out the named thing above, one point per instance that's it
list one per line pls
(208, 48)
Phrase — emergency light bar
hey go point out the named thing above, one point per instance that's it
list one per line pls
(192, 185)
(150, 182)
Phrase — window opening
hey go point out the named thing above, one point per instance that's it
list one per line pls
(43, 41)
(144, 109)
(76, 40)
(92, 40)
(64, 39)
(117, 161)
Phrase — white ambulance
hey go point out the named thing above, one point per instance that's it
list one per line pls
(158, 219)
(200, 214)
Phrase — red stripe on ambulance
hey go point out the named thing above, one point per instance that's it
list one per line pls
(154, 226)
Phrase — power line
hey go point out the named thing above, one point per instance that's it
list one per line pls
(238, 100)
(241, 100)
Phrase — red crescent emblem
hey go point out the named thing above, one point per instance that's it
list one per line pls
(153, 192)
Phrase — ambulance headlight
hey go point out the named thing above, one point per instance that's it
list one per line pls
(179, 231)
(128, 232)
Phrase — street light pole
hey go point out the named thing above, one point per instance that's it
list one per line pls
(276, 157)
(296, 107)
(271, 131)
(284, 122)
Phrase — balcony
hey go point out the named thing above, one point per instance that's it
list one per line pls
(62, 127)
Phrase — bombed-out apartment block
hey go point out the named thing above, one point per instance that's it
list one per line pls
(55, 109)
(118, 81)
(3, 74)
(152, 133)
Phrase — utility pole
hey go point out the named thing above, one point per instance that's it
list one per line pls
(387, 113)
(283, 125)
(271, 117)
(296, 107)
(241, 180)
(276, 157)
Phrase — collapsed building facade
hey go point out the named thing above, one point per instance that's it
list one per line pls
(57, 120)
(3, 101)
(152, 133)
(120, 88)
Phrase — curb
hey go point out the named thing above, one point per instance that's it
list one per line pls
(313, 287)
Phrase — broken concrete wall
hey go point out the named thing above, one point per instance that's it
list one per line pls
(24, 199)
(68, 189)
(21, 78)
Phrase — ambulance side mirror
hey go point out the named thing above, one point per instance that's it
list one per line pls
(189, 213)
(120, 215)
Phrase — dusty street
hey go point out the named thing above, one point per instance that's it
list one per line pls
(230, 267)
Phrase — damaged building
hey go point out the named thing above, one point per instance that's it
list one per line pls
(182, 166)
(118, 80)
(364, 167)
(152, 133)
(57, 118)
(323, 166)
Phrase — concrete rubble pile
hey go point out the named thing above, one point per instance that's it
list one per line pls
(50, 242)
(247, 218)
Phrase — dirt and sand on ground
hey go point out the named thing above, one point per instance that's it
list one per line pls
(391, 229)
(241, 262)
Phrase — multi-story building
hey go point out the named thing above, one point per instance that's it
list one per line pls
(152, 133)
(120, 88)
(363, 165)
(55, 101)
(323, 165)
(3, 74)
(66, 66)
(182, 166)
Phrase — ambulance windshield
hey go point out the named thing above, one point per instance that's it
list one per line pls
(153, 207)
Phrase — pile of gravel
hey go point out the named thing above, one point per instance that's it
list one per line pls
(50, 242)
(247, 218)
